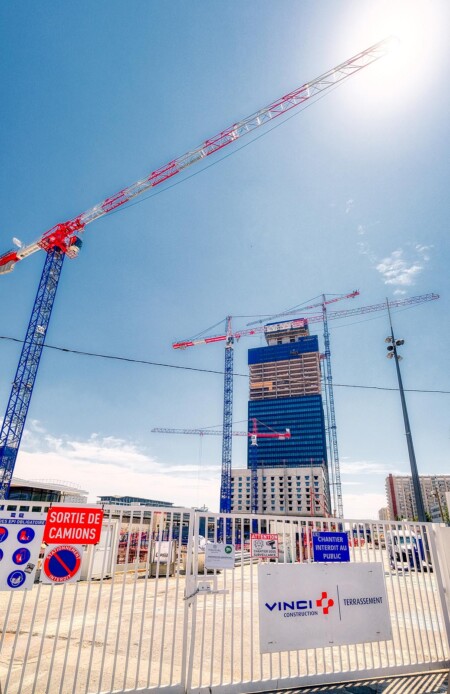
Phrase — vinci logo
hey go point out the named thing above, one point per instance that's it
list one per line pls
(325, 602)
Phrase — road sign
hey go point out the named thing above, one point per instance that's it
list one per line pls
(219, 555)
(79, 525)
(264, 545)
(62, 564)
(330, 547)
(20, 542)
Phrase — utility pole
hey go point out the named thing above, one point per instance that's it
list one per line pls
(392, 353)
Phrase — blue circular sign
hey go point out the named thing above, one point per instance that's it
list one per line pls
(1, 554)
(16, 579)
(25, 535)
(62, 563)
(3, 533)
(21, 555)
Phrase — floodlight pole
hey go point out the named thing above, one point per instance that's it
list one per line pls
(412, 457)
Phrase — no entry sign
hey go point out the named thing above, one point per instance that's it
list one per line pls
(75, 525)
(62, 564)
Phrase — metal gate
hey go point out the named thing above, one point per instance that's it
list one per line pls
(148, 615)
(123, 627)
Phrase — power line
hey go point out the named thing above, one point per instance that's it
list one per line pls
(146, 362)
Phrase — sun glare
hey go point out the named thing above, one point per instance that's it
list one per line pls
(416, 29)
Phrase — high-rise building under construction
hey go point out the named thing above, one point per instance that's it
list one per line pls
(286, 392)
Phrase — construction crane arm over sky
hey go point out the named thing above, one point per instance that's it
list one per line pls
(229, 336)
(63, 239)
(62, 235)
(346, 313)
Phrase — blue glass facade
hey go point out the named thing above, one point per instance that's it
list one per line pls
(272, 353)
(303, 415)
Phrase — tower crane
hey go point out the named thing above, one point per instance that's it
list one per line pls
(254, 435)
(64, 239)
(229, 337)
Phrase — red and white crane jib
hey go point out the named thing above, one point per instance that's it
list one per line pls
(61, 235)
(346, 313)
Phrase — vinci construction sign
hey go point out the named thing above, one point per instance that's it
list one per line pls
(74, 525)
(313, 605)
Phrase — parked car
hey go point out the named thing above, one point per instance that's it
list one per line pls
(406, 551)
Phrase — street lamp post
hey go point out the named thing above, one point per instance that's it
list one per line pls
(392, 354)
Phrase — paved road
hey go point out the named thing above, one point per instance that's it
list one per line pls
(431, 683)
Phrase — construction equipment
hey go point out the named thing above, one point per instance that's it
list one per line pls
(229, 338)
(254, 435)
(63, 239)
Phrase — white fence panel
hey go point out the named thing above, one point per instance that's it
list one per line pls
(124, 628)
(225, 654)
(147, 614)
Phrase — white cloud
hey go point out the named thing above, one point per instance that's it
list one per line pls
(363, 506)
(366, 467)
(349, 205)
(361, 229)
(397, 270)
(110, 465)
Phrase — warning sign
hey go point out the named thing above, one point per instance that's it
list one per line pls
(78, 525)
(264, 545)
(20, 545)
(62, 564)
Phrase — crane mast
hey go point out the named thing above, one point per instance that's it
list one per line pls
(63, 239)
(22, 387)
(227, 440)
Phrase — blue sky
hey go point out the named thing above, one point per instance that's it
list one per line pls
(350, 194)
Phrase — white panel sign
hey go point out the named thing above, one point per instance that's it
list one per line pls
(20, 544)
(264, 545)
(163, 549)
(219, 556)
(313, 605)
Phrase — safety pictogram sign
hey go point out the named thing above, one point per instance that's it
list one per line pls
(62, 564)
(264, 545)
(78, 525)
(20, 545)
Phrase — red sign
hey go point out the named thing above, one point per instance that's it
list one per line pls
(78, 525)
(62, 564)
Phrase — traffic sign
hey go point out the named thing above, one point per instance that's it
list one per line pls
(62, 564)
(78, 525)
(21, 540)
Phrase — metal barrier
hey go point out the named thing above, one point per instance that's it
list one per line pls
(148, 615)
(124, 628)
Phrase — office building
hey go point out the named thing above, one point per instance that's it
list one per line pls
(117, 500)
